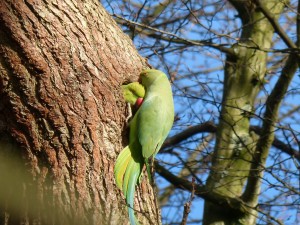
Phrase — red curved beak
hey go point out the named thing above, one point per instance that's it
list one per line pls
(139, 102)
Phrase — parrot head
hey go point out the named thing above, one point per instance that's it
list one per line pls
(147, 77)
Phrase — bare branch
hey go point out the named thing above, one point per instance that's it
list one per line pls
(190, 168)
(210, 127)
(280, 144)
(267, 132)
(275, 25)
(226, 203)
(175, 38)
(187, 206)
(200, 191)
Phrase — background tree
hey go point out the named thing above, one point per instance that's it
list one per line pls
(233, 66)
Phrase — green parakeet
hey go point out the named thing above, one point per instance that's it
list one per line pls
(133, 93)
(148, 130)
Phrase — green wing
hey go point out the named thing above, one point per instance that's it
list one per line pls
(151, 119)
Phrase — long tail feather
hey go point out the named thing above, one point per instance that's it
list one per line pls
(127, 171)
(121, 166)
(133, 174)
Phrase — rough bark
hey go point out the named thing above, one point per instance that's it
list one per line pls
(62, 114)
(235, 143)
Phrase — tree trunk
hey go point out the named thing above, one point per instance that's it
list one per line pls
(235, 144)
(62, 114)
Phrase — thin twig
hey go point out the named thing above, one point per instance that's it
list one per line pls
(187, 205)
(177, 39)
